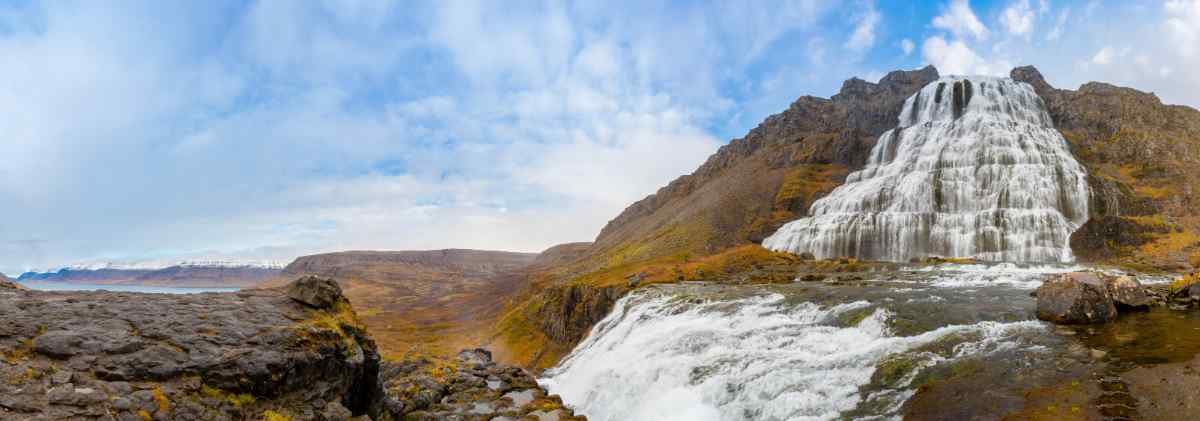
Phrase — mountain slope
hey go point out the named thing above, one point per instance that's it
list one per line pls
(425, 302)
(755, 184)
(1143, 158)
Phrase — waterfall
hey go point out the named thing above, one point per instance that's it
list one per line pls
(975, 168)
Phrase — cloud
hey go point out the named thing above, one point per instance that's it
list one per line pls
(907, 46)
(1183, 25)
(960, 20)
(1104, 56)
(955, 57)
(1018, 18)
(864, 32)
(1060, 23)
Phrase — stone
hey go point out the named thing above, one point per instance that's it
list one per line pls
(334, 411)
(1128, 293)
(1075, 298)
(315, 291)
(58, 343)
(807, 256)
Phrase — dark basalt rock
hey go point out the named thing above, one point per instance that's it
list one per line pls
(212, 356)
(315, 292)
(1075, 298)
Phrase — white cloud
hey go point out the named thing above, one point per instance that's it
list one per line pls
(1060, 23)
(1018, 18)
(960, 20)
(864, 32)
(955, 57)
(1104, 56)
(907, 46)
(1183, 24)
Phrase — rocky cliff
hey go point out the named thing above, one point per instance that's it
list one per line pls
(1143, 158)
(754, 184)
(1141, 155)
(295, 352)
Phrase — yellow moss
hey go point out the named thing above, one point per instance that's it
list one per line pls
(1185, 282)
(145, 415)
(164, 404)
(241, 399)
(270, 415)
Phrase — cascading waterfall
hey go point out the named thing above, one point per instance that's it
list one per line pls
(974, 169)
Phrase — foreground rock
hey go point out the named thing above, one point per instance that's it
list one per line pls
(470, 387)
(1075, 298)
(6, 283)
(255, 354)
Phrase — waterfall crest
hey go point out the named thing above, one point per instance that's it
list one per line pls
(975, 168)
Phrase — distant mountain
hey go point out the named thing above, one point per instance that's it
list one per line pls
(181, 274)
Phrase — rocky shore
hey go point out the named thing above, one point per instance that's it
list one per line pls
(296, 352)
(1089, 297)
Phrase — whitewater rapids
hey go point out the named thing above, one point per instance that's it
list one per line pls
(791, 352)
(975, 168)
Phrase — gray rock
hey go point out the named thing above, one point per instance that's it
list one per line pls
(1075, 298)
(58, 343)
(316, 292)
(1128, 293)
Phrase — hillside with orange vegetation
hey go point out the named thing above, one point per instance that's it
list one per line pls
(422, 302)
(1143, 160)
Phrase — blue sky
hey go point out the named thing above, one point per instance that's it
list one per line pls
(270, 129)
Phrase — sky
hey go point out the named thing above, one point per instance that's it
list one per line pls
(265, 130)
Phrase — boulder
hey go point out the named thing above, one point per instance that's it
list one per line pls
(315, 291)
(1128, 293)
(1075, 298)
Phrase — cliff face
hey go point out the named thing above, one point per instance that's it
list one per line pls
(1143, 159)
(755, 184)
(289, 352)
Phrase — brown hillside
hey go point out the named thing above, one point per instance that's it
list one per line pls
(754, 184)
(1143, 159)
(425, 302)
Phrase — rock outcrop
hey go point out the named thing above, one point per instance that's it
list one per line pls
(468, 387)
(1075, 298)
(1142, 158)
(254, 354)
(6, 283)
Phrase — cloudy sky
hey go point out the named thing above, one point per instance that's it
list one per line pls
(269, 129)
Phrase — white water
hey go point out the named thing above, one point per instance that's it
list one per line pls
(663, 357)
(974, 169)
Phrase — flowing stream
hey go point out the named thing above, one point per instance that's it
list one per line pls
(801, 351)
(974, 169)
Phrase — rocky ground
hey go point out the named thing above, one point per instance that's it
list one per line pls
(296, 352)
(469, 387)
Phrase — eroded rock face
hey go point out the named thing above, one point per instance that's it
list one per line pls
(1075, 298)
(469, 387)
(315, 292)
(213, 356)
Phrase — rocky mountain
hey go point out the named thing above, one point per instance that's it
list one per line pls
(176, 275)
(423, 302)
(1141, 156)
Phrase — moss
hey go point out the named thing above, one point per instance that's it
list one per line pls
(270, 415)
(145, 415)
(164, 404)
(1182, 283)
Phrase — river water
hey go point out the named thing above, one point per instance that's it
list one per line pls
(816, 350)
